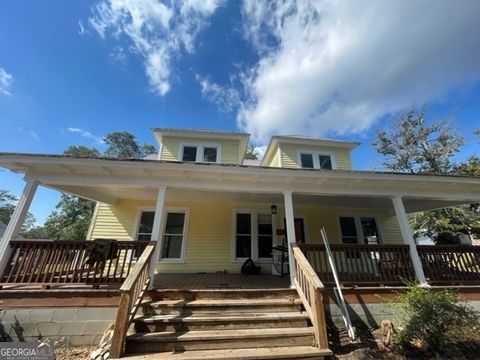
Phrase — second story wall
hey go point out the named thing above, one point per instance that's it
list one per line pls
(229, 149)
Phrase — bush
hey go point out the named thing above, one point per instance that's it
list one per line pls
(435, 320)
(447, 238)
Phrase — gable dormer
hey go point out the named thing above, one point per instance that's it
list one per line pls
(203, 146)
(309, 153)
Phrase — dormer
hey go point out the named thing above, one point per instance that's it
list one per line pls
(202, 146)
(308, 153)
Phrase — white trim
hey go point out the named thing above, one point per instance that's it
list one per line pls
(253, 233)
(93, 221)
(358, 225)
(315, 156)
(279, 154)
(200, 151)
(175, 209)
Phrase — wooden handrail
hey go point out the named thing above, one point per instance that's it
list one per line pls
(309, 288)
(132, 291)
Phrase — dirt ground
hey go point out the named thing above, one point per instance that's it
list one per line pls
(74, 352)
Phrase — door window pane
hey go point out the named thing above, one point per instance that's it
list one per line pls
(348, 229)
(325, 162)
(243, 246)
(146, 225)
(265, 235)
(210, 154)
(370, 231)
(189, 153)
(173, 237)
(307, 161)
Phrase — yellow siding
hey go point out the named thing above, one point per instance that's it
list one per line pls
(229, 148)
(275, 161)
(209, 240)
(289, 153)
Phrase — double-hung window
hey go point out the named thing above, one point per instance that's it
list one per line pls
(316, 160)
(174, 236)
(359, 230)
(145, 225)
(253, 235)
(200, 153)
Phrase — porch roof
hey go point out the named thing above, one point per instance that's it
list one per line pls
(108, 180)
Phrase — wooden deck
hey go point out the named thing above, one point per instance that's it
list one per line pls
(219, 281)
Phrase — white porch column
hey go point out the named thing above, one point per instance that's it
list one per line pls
(157, 230)
(16, 221)
(408, 239)
(289, 218)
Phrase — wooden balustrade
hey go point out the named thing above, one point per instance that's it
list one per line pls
(450, 264)
(132, 292)
(362, 264)
(48, 262)
(309, 288)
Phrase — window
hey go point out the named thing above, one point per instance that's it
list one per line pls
(316, 160)
(189, 153)
(173, 238)
(200, 153)
(145, 226)
(253, 235)
(265, 235)
(359, 230)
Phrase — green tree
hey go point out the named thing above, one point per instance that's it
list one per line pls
(250, 153)
(81, 151)
(416, 146)
(123, 145)
(7, 206)
(71, 219)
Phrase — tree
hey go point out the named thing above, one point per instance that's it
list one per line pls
(81, 151)
(250, 153)
(124, 145)
(417, 147)
(71, 219)
(7, 206)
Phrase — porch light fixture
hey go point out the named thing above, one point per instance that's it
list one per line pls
(273, 208)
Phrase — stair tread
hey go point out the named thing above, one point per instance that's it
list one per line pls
(222, 302)
(172, 336)
(223, 317)
(292, 352)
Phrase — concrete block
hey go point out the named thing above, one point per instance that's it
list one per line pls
(14, 315)
(95, 327)
(40, 315)
(65, 314)
(99, 314)
(71, 328)
(78, 340)
(48, 329)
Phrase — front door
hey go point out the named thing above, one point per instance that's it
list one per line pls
(299, 230)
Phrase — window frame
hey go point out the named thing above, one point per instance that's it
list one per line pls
(358, 227)
(138, 218)
(316, 160)
(200, 151)
(254, 234)
(181, 259)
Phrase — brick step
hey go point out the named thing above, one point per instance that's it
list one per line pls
(266, 353)
(218, 339)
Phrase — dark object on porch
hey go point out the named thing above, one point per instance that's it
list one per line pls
(249, 267)
(99, 251)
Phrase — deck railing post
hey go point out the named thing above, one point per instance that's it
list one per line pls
(290, 222)
(408, 239)
(16, 221)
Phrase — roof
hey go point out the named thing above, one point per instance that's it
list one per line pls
(305, 140)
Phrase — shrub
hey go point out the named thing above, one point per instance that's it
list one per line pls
(434, 320)
(447, 238)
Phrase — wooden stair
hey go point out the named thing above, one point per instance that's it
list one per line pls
(222, 324)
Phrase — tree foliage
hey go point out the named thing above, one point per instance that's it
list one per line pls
(416, 146)
(123, 145)
(81, 151)
(7, 206)
(250, 153)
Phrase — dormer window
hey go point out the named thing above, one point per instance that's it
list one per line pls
(208, 153)
(316, 160)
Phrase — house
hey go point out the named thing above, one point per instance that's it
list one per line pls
(198, 210)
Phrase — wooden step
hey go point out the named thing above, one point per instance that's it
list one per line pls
(218, 339)
(220, 321)
(160, 294)
(293, 352)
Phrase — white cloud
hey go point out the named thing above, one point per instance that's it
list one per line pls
(336, 66)
(5, 81)
(158, 31)
(225, 98)
(86, 134)
(31, 133)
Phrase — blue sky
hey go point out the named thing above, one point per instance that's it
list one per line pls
(72, 72)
